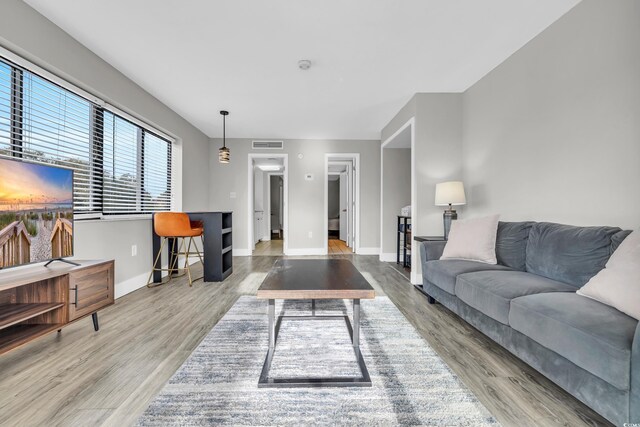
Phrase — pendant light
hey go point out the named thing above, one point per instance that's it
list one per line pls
(223, 153)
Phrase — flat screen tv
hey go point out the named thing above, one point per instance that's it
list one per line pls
(36, 213)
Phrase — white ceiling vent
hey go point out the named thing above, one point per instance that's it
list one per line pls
(267, 145)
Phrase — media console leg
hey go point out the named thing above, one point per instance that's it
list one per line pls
(96, 326)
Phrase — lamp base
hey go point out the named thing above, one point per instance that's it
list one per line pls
(448, 216)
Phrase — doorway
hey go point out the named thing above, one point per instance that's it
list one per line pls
(342, 203)
(339, 212)
(267, 213)
(397, 203)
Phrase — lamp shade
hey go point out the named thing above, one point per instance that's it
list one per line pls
(450, 193)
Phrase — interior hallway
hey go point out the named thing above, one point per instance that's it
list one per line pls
(338, 247)
(268, 248)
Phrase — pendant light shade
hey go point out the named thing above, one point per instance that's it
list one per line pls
(223, 152)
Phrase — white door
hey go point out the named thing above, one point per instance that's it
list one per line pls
(258, 226)
(350, 226)
(344, 203)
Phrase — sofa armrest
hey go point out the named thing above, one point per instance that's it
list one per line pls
(432, 250)
(634, 394)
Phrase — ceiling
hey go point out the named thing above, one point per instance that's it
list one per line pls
(368, 56)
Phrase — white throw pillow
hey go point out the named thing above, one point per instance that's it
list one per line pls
(473, 240)
(618, 284)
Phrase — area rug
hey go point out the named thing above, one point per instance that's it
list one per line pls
(217, 384)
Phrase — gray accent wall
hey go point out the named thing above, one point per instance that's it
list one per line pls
(275, 183)
(437, 158)
(306, 198)
(438, 155)
(31, 36)
(396, 190)
(438, 150)
(333, 197)
(553, 133)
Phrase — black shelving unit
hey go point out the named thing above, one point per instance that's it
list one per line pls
(224, 266)
(403, 242)
(218, 245)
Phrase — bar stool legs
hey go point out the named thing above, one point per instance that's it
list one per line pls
(185, 250)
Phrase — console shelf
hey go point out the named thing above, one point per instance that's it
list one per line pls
(10, 314)
(19, 334)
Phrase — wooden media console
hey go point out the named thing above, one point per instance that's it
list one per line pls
(36, 300)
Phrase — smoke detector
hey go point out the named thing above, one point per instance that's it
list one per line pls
(304, 64)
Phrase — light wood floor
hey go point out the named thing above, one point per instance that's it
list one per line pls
(269, 248)
(338, 247)
(84, 378)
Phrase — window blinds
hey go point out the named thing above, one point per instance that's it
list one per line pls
(119, 166)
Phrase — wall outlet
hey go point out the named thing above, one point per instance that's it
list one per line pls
(134, 250)
(232, 195)
(311, 234)
(308, 176)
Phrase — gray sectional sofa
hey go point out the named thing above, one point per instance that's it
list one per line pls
(528, 304)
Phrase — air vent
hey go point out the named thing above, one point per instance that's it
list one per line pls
(267, 145)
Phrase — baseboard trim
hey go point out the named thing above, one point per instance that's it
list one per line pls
(388, 257)
(368, 251)
(136, 282)
(305, 251)
(415, 278)
(241, 252)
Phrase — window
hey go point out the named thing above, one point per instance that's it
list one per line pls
(120, 167)
(5, 108)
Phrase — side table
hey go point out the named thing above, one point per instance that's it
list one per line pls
(428, 239)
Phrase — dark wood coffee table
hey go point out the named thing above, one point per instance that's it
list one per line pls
(315, 279)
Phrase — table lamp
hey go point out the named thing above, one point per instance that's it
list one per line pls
(450, 194)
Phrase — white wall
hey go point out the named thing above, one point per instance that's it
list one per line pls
(258, 189)
(306, 198)
(30, 35)
(553, 133)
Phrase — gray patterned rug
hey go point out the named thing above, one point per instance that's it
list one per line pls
(217, 384)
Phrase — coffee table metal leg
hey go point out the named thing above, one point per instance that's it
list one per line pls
(354, 331)
(272, 324)
(356, 323)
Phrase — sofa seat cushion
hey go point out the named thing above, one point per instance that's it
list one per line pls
(491, 292)
(590, 334)
(443, 273)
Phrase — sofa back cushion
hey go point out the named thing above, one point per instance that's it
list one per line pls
(568, 253)
(511, 244)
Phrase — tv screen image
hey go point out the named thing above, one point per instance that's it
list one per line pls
(36, 212)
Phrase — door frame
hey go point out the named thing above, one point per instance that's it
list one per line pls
(285, 198)
(355, 159)
(416, 268)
